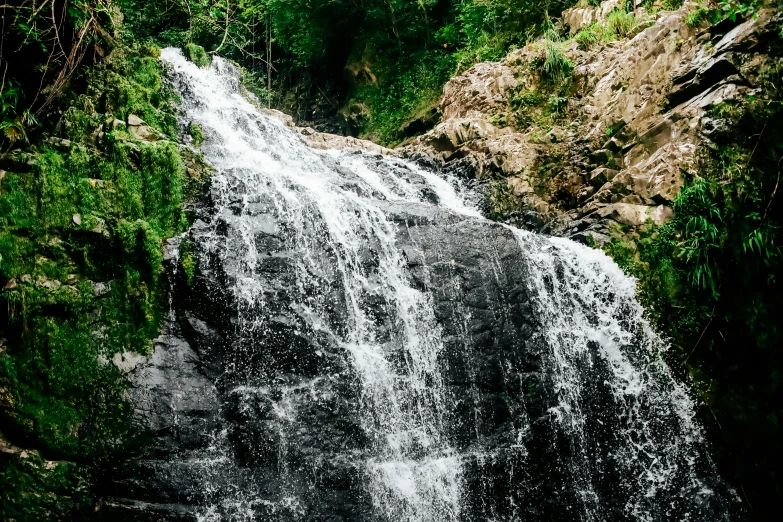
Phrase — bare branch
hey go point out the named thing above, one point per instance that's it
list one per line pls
(225, 34)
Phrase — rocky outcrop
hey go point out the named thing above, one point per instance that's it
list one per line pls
(211, 391)
(325, 140)
(636, 115)
(346, 340)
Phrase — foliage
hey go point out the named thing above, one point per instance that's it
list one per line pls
(556, 103)
(406, 95)
(554, 65)
(696, 16)
(715, 12)
(196, 134)
(589, 36)
(710, 278)
(82, 219)
(14, 121)
(701, 221)
(672, 5)
(44, 42)
(299, 54)
(736, 9)
(620, 22)
(617, 25)
(49, 482)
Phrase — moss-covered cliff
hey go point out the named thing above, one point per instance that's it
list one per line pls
(86, 197)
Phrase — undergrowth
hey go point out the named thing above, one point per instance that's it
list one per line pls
(393, 102)
(710, 279)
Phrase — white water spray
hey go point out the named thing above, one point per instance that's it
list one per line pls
(334, 208)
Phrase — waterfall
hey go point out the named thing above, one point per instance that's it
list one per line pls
(354, 369)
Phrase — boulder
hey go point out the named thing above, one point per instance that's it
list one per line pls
(280, 116)
(145, 133)
(326, 141)
(135, 121)
(634, 215)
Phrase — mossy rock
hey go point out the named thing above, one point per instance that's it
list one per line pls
(81, 228)
(197, 55)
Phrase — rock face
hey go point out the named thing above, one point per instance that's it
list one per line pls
(324, 140)
(356, 343)
(637, 112)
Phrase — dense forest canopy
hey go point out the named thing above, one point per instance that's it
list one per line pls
(305, 56)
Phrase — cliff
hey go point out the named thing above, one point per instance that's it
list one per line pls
(653, 135)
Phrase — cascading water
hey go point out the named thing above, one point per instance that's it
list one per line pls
(378, 368)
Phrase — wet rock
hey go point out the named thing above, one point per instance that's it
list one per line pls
(325, 141)
(601, 175)
(634, 215)
(60, 143)
(145, 133)
(479, 92)
(420, 122)
(49, 284)
(101, 289)
(284, 118)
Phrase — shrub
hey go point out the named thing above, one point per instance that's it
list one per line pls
(557, 103)
(672, 5)
(554, 65)
(588, 36)
(696, 16)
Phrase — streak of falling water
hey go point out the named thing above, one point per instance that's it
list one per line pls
(588, 305)
(414, 475)
(591, 326)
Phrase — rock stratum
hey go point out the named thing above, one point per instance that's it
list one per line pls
(616, 146)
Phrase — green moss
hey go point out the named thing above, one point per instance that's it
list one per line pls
(35, 489)
(187, 262)
(528, 107)
(195, 132)
(520, 98)
(197, 55)
(81, 229)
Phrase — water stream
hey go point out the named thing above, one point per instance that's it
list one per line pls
(622, 443)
